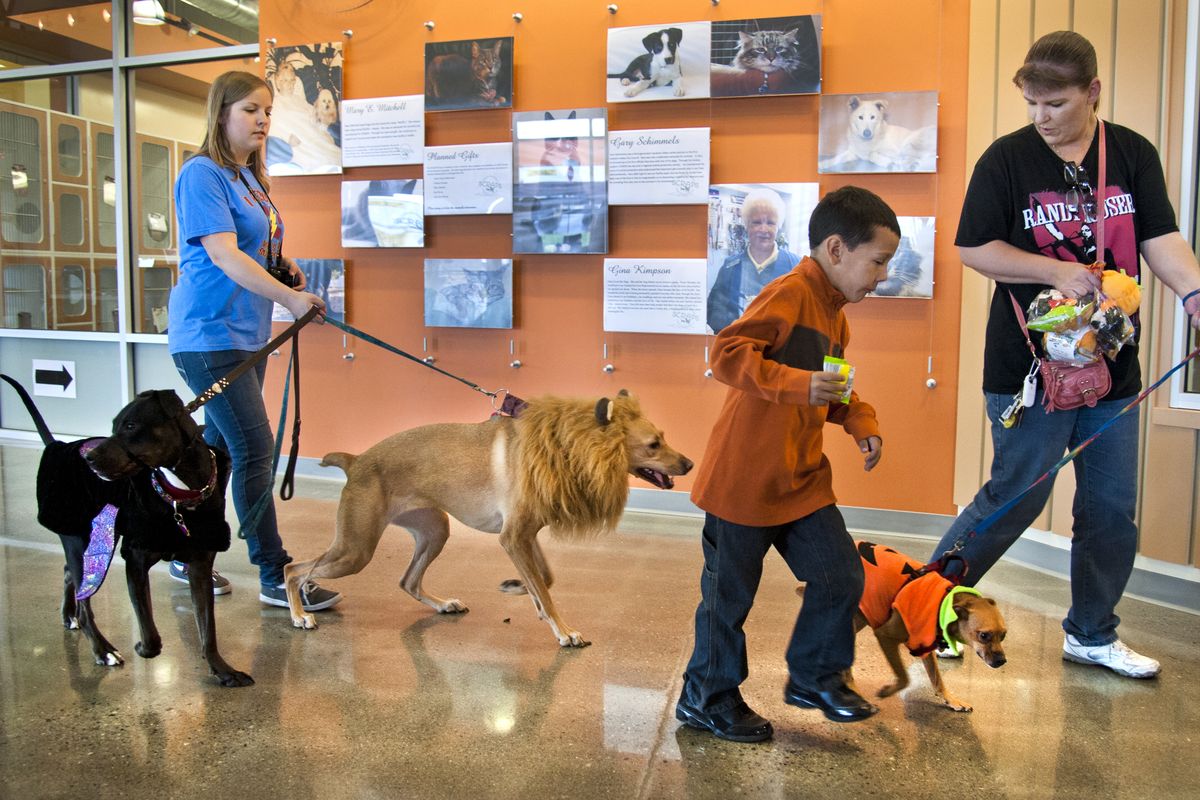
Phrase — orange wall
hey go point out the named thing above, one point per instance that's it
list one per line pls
(868, 46)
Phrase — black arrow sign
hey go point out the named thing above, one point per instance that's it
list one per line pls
(59, 377)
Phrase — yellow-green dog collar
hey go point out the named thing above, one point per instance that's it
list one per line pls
(946, 615)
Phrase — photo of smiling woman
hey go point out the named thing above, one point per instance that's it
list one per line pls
(230, 234)
(751, 228)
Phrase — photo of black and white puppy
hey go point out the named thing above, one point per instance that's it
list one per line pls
(658, 66)
(667, 61)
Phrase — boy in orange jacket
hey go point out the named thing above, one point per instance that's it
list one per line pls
(764, 481)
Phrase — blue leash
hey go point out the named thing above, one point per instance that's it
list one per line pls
(995, 516)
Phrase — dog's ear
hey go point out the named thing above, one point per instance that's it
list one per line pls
(571, 115)
(170, 403)
(882, 105)
(549, 115)
(853, 102)
(604, 411)
(650, 40)
(623, 393)
(674, 35)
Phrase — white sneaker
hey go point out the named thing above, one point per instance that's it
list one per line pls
(1115, 655)
(946, 652)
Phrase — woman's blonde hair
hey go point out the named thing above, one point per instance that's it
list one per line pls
(227, 89)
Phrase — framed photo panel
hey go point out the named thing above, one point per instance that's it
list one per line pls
(468, 292)
(560, 195)
(773, 55)
(888, 132)
(756, 233)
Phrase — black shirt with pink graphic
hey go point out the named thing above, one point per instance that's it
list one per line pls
(1017, 194)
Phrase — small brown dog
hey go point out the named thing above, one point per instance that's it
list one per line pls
(923, 613)
(559, 463)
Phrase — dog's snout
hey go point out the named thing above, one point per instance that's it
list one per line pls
(669, 60)
(687, 464)
(998, 660)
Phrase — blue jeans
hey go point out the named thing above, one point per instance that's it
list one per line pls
(237, 421)
(819, 552)
(1104, 537)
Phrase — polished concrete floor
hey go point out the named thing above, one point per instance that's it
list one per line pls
(388, 700)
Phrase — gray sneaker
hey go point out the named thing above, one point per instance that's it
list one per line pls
(1115, 655)
(179, 571)
(312, 596)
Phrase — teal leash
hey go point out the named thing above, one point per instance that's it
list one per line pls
(250, 524)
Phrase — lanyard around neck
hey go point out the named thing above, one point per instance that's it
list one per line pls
(271, 213)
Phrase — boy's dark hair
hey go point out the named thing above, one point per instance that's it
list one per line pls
(853, 213)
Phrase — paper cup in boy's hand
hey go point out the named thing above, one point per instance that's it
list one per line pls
(841, 367)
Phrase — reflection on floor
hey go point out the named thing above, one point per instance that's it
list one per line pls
(388, 700)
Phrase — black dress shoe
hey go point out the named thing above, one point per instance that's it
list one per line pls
(839, 703)
(738, 723)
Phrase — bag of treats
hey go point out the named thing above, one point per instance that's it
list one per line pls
(1053, 312)
(1077, 346)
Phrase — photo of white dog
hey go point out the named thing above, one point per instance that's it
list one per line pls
(658, 62)
(890, 132)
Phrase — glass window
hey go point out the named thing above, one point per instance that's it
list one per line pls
(169, 26)
(36, 33)
(57, 200)
(169, 107)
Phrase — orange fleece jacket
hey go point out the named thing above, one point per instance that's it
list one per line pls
(889, 586)
(764, 464)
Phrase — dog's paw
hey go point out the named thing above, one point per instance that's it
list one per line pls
(513, 586)
(632, 92)
(890, 689)
(624, 81)
(679, 91)
(148, 650)
(954, 704)
(305, 621)
(234, 678)
(451, 606)
(572, 639)
(71, 623)
(110, 659)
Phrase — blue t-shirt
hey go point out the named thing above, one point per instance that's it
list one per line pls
(209, 311)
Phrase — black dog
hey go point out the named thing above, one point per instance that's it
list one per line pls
(120, 476)
(658, 66)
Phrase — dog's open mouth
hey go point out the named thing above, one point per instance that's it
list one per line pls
(660, 479)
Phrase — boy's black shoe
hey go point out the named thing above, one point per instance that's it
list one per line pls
(737, 723)
(839, 703)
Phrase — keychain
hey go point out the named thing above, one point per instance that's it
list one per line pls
(1029, 388)
(1023, 399)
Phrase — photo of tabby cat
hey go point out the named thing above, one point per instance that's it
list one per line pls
(468, 74)
(777, 55)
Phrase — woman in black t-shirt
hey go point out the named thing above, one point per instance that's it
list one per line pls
(1029, 222)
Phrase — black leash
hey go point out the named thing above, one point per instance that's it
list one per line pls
(223, 383)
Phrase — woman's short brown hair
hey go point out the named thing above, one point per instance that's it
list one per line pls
(227, 89)
(1056, 61)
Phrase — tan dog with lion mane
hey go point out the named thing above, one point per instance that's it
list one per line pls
(561, 463)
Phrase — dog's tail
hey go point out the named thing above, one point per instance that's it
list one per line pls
(38, 422)
(339, 460)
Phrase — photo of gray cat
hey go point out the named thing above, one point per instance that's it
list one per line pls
(775, 55)
(468, 292)
(472, 73)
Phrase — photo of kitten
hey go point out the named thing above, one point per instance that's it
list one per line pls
(776, 55)
(468, 74)
(468, 292)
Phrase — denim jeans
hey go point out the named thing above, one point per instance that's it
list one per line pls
(819, 552)
(1104, 537)
(236, 420)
